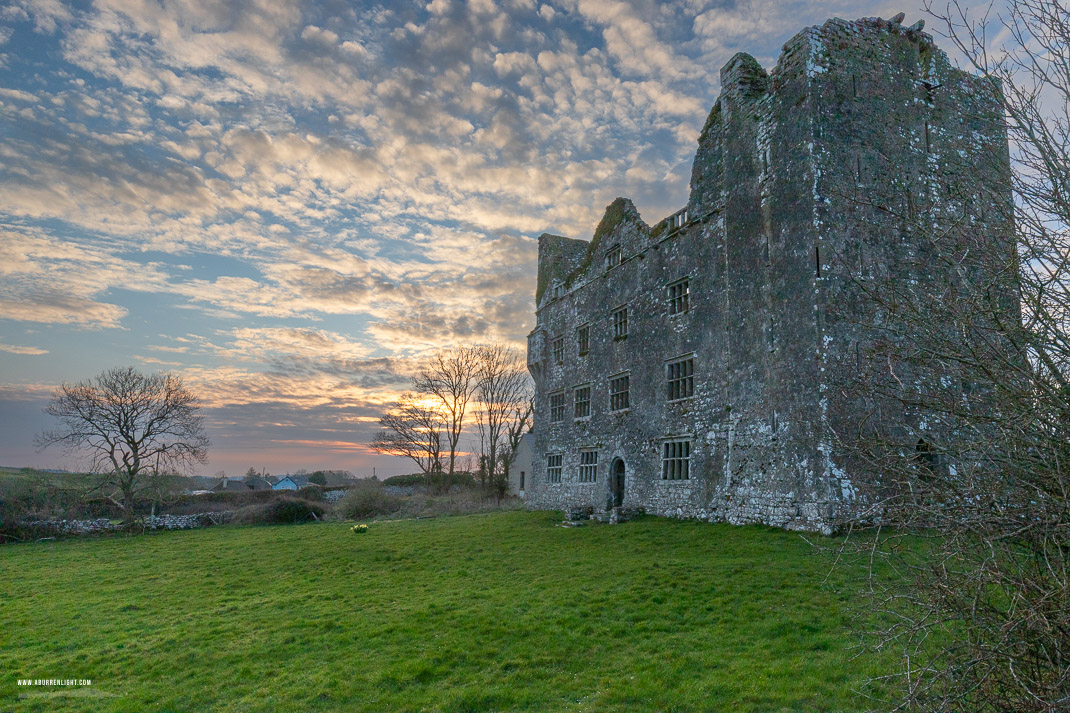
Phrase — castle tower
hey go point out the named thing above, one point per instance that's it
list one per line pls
(686, 368)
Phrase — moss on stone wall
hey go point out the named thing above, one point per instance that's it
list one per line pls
(711, 121)
(558, 257)
(617, 212)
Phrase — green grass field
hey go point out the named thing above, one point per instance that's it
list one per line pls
(497, 612)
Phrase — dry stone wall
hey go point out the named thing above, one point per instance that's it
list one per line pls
(101, 525)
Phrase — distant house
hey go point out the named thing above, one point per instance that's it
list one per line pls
(257, 483)
(291, 482)
(520, 468)
(230, 485)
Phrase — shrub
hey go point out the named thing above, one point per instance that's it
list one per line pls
(442, 481)
(311, 493)
(367, 499)
(12, 512)
(280, 512)
(406, 480)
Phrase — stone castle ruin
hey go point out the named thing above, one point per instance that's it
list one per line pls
(686, 367)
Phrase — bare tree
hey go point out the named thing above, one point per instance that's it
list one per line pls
(134, 427)
(504, 393)
(978, 600)
(413, 429)
(450, 378)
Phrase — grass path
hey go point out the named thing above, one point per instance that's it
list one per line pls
(502, 612)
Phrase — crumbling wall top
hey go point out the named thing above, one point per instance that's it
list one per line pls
(558, 258)
(745, 75)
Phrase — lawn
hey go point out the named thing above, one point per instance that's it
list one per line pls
(501, 612)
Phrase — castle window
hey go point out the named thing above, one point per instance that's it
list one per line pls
(681, 378)
(557, 407)
(588, 466)
(583, 339)
(618, 393)
(676, 460)
(521, 480)
(677, 220)
(679, 297)
(553, 468)
(559, 291)
(620, 323)
(557, 349)
(927, 458)
(613, 257)
(582, 401)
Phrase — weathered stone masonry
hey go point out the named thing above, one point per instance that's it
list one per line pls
(738, 285)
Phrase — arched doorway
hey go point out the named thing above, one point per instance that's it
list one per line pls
(616, 483)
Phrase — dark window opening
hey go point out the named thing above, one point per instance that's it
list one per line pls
(557, 350)
(679, 296)
(620, 323)
(557, 407)
(583, 339)
(582, 402)
(613, 257)
(553, 468)
(676, 460)
(925, 457)
(681, 379)
(588, 466)
(618, 393)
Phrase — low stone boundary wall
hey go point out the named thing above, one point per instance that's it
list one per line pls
(155, 522)
(333, 496)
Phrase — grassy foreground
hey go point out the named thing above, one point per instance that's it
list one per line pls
(497, 612)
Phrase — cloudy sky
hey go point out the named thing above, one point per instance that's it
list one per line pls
(289, 203)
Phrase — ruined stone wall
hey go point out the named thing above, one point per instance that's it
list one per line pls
(766, 242)
(908, 151)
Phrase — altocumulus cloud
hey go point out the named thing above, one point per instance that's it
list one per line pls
(290, 202)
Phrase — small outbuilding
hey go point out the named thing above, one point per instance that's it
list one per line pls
(291, 482)
(520, 468)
